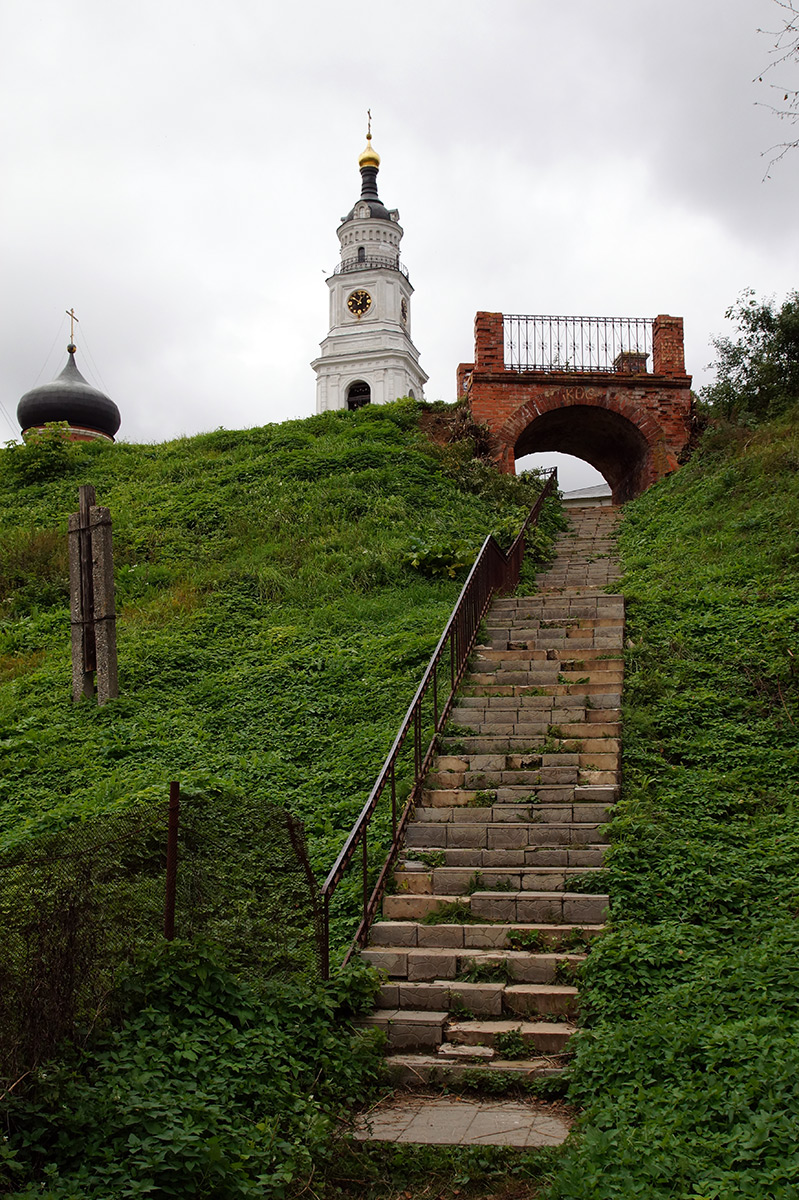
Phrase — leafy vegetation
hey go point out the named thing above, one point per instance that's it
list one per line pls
(388, 1172)
(272, 628)
(757, 372)
(204, 1090)
(687, 1067)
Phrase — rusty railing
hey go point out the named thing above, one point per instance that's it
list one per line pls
(493, 571)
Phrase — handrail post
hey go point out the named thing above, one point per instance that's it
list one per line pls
(393, 799)
(325, 949)
(365, 876)
(171, 861)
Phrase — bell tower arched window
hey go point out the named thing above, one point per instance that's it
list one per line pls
(358, 394)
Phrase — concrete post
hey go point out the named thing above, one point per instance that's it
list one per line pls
(105, 621)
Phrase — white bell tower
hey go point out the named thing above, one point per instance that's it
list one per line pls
(368, 356)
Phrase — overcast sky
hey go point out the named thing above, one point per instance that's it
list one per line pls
(176, 171)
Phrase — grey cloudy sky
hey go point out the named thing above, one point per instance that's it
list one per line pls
(176, 171)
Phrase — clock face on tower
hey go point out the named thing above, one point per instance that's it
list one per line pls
(359, 302)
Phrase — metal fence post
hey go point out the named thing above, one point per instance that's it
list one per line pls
(172, 861)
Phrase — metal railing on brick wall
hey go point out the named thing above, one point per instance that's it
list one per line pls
(603, 344)
(415, 745)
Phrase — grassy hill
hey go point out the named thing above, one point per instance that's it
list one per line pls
(272, 627)
(280, 591)
(689, 1065)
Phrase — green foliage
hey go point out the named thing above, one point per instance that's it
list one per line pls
(430, 858)
(445, 557)
(453, 912)
(45, 454)
(477, 970)
(388, 1172)
(271, 633)
(758, 370)
(483, 799)
(204, 1090)
(687, 1065)
(511, 1045)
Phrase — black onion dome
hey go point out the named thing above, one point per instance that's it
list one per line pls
(69, 398)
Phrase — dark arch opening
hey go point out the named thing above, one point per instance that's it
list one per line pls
(358, 394)
(609, 442)
(361, 254)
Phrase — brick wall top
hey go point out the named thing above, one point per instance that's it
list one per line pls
(489, 342)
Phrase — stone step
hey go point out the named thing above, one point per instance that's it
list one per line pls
(475, 768)
(568, 606)
(556, 608)
(438, 836)
(507, 723)
(444, 963)
(420, 1070)
(554, 687)
(477, 999)
(538, 659)
(411, 934)
(417, 858)
(503, 812)
(519, 774)
(406, 1029)
(507, 908)
(542, 1037)
(458, 881)
(483, 744)
(561, 752)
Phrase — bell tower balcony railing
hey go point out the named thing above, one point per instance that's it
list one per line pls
(371, 263)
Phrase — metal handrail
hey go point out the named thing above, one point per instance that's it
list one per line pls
(493, 571)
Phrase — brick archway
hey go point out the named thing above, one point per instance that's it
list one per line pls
(628, 423)
(623, 443)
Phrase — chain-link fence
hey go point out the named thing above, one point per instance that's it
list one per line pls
(77, 905)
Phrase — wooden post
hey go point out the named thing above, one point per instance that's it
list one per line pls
(92, 612)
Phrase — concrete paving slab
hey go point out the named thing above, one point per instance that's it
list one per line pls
(448, 1121)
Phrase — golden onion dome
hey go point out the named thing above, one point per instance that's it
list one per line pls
(369, 157)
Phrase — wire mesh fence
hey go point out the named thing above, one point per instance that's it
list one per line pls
(77, 906)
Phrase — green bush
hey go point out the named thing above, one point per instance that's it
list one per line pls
(204, 1090)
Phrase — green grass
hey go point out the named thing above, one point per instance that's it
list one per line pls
(279, 592)
(687, 1067)
(272, 624)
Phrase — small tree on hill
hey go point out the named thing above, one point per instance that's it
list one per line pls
(757, 372)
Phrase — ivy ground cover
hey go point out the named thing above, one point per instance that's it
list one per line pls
(688, 1067)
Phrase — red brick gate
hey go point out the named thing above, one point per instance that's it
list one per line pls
(581, 385)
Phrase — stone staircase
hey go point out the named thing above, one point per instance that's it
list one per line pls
(492, 910)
